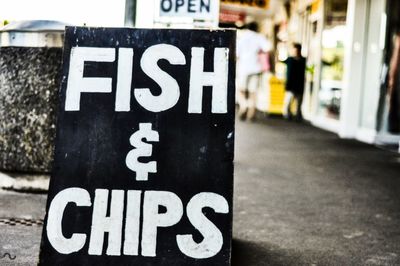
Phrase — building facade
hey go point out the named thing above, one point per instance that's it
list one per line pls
(352, 57)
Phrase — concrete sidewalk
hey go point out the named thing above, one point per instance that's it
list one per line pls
(302, 197)
(305, 197)
(23, 182)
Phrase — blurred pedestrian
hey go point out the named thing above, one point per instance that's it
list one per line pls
(251, 49)
(295, 78)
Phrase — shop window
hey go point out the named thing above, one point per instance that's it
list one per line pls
(333, 39)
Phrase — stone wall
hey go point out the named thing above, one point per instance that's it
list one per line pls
(29, 82)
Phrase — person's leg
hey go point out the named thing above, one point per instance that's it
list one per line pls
(299, 98)
(242, 101)
(252, 105)
(253, 84)
(242, 96)
(286, 105)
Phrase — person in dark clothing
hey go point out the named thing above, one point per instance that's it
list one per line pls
(295, 78)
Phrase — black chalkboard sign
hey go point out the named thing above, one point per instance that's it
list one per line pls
(143, 171)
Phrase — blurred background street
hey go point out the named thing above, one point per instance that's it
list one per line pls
(302, 197)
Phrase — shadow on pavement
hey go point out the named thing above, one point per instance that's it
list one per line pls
(246, 253)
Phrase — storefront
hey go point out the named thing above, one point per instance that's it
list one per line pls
(370, 109)
(366, 26)
(353, 54)
(325, 41)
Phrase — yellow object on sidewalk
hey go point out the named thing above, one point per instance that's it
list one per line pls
(277, 95)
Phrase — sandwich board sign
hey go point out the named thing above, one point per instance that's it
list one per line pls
(143, 168)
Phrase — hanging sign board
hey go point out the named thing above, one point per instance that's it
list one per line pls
(195, 9)
(143, 171)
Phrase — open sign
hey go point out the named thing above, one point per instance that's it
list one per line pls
(195, 9)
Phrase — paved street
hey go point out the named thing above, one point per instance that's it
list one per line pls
(305, 197)
(20, 241)
(302, 197)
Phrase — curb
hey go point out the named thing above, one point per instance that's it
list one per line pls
(25, 182)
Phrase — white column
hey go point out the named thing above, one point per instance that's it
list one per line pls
(353, 67)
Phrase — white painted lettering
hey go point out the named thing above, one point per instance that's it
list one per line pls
(63, 245)
(152, 219)
(212, 237)
(112, 224)
(169, 87)
(132, 222)
(77, 83)
(170, 91)
(124, 80)
(217, 79)
(142, 149)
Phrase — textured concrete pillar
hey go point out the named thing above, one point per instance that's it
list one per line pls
(29, 82)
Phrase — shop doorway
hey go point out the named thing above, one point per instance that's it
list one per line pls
(332, 59)
(388, 115)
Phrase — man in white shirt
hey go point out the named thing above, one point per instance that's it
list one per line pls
(249, 68)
